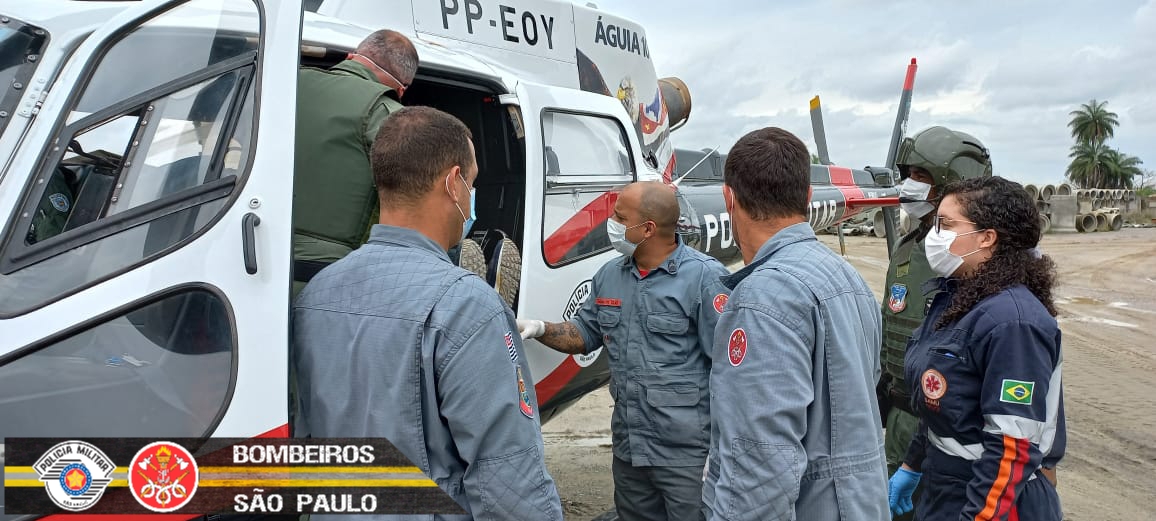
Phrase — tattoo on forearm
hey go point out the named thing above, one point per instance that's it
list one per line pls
(563, 337)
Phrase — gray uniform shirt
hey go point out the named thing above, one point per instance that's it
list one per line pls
(796, 432)
(657, 331)
(394, 341)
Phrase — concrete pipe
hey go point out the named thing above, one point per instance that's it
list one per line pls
(1102, 222)
(1042, 206)
(1047, 192)
(1045, 225)
(1082, 222)
(1115, 222)
(1064, 189)
(1097, 203)
(880, 226)
(906, 224)
(1033, 191)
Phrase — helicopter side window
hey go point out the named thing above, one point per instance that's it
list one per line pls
(585, 156)
(147, 157)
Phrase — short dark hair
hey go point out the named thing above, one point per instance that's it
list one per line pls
(391, 51)
(413, 147)
(769, 171)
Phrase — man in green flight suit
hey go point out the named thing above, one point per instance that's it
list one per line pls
(927, 162)
(339, 112)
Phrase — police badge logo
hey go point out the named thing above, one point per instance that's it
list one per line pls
(59, 201)
(897, 301)
(75, 474)
(163, 476)
(737, 350)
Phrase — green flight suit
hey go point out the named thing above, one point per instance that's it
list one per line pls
(339, 112)
(904, 306)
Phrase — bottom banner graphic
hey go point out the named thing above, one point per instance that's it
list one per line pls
(216, 475)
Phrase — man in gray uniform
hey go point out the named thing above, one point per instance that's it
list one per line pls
(796, 433)
(394, 341)
(654, 309)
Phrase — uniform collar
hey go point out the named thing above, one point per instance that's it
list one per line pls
(790, 235)
(406, 237)
(670, 265)
(939, 284)
(363, 72)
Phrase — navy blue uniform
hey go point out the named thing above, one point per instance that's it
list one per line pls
(987, 391)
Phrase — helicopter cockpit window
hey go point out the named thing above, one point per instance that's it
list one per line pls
(146, 158)
(20, 48)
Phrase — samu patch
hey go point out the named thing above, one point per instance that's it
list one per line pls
(1017, 391)
(897, 299)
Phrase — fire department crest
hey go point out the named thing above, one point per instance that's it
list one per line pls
(897, 301)
(934, 384)
(163, 476)
(720, 302)
(75, 474)
(737, 349)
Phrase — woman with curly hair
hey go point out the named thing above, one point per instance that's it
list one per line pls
(985, 365)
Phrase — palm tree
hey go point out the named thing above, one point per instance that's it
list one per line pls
(1122, 168)
(1093, 122)
(1089, 167)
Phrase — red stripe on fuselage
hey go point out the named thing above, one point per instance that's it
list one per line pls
(844, 180)
(578, 226)
(556, 380)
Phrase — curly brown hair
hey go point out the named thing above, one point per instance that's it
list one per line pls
(995, 203)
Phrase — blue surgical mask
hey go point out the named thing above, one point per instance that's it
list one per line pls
(469, 221)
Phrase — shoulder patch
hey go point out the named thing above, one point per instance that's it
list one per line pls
(897, 298)
(59, 201)
(720, 302)
(524, 396)
(737, 348)
(1017, 391)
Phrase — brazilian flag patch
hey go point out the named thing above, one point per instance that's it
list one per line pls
(1017, 391)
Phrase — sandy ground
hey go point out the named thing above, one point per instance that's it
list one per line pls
(1107, 298)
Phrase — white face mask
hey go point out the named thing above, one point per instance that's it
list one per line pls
(616, 231)
(937, 244)
(912, 189)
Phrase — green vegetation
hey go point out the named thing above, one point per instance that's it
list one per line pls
(1094, 163)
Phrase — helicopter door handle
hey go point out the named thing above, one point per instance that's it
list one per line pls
(249, 243)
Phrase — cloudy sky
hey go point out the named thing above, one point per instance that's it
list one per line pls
(1007, 72)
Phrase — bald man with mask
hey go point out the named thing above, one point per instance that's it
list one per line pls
(654, 309)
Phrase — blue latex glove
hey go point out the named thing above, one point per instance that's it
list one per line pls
(900, 488)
